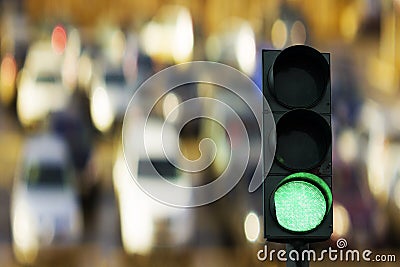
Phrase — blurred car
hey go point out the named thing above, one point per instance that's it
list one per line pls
(41, 89)
(44, 205)
(145, 222)
(109, 97)
(70, 126)
(224, 130)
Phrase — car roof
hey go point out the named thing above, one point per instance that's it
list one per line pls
(42, 58)
(153, 142)
(45, 148)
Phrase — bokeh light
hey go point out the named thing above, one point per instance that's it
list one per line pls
(59, 39)
(279, 34)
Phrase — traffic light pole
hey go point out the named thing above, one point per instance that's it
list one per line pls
(298, 247)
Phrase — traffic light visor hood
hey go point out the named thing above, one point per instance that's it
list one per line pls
(299, 77)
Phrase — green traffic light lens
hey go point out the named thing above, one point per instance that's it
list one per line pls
(300, 204)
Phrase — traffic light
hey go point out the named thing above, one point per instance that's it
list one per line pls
(297, 188)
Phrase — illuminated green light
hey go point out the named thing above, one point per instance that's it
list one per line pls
(300, 205)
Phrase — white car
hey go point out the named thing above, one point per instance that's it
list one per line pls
(227, 137)
(145, 222)
(109, 98)
(41, 89)
(230, 122)
(44, 205)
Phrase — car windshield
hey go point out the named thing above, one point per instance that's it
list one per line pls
(116, 78)
(156, 167)
(47, 78)
(46, 175)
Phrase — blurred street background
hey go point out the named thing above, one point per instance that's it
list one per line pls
(68, 70)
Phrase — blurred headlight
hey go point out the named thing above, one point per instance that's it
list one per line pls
(252, 227)
(136, 224)
(341, 221)
(8, 74)
(100, 110)
(170, 103)
(29, 105)
(183, 37)
(246, 49)
(24, 231)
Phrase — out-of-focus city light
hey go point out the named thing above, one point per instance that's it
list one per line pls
(349, 22)
(183, 39)
(8, 74)
(382, 75)
(101, 111)
(59, 39)
(252, 227)
(213, 48)
(246, 49)
(26, 244)
(169, 36)
(8, 70)
(341, 221)
(136, 224)
(119, 172)
(298, 33)
(347, 146)
(170, 102)
(376, 171)
(374, 121)
(234, 43)
(150, 38)
(279, 34)
(117, 47)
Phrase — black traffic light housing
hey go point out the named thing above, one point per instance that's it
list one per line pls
(296, 84)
